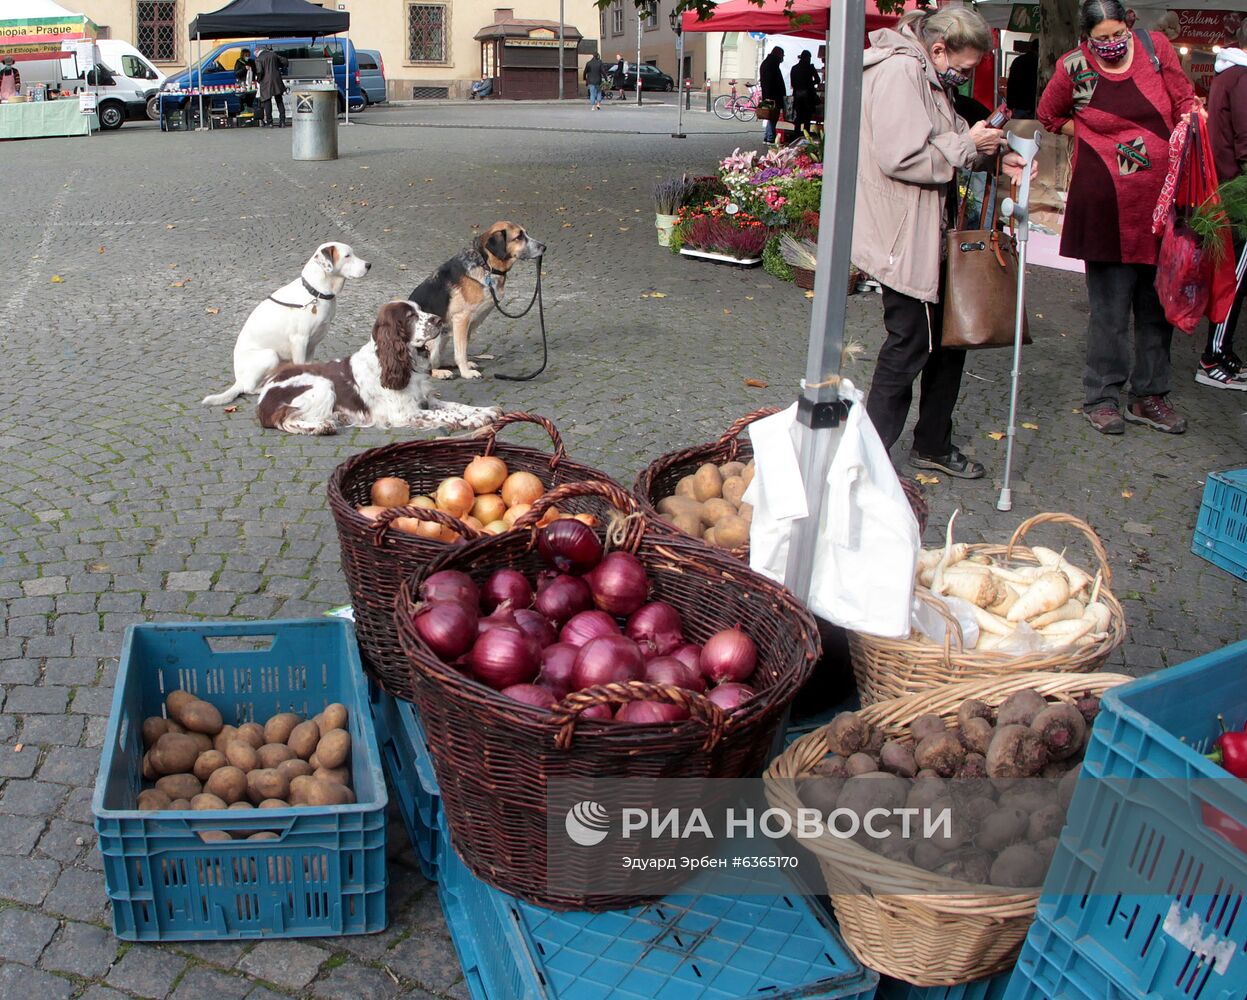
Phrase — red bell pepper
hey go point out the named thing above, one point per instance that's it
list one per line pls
(1230, 751)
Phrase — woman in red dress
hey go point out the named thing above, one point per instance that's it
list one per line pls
(1119, 94)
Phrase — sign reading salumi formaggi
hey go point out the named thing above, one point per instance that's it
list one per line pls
(1206, 28)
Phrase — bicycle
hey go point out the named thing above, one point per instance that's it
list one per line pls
(745, 109)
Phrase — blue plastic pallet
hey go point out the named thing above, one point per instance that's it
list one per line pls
(410, 776)
(1221, 531)
(980, 989)
(1050, 968)
(1139, 884)
(324, 875)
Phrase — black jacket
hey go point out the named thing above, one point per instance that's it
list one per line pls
(772, 80)
(804, 77)
(1227, 121)
(595, 71)
(271, 67)
(240, 70)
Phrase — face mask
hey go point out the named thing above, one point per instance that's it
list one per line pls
(953, 78)
(1111, 52)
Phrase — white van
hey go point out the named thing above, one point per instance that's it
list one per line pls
(127, 86)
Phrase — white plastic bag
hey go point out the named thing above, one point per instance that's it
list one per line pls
(868, 540)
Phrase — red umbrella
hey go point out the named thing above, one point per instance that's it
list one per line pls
(773, 17)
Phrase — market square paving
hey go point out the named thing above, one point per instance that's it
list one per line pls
(135, 256)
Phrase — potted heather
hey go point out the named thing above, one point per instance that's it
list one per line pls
(721, 231)
(669, 198)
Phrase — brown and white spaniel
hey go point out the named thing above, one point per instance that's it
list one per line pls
(385, 383)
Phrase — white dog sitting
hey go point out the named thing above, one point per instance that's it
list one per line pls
(289, 324)
(386, 383)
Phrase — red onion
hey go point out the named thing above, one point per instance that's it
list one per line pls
(729, 655)
(607, 660)
(502, 657)
(677, 673)
(619, 583)
(447, 627)
(690, 654)
(602, 712)
(450, 585)
(730, 697)
(569, 545)
(656, 628)
(537, 626)
(502, 618)
(651, 712)
(506, 585)
(557, 661)
(537, 695)
(563, 596)
(588, 625)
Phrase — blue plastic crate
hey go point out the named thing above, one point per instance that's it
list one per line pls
(980, 989)
(1221, 531)
(324, 875)
(1050, 968)
(410, 773)
(1139, 884)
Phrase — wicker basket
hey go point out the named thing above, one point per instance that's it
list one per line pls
(893, 668)
(377, 558)
(899, 919)
(659, 478)
(803, 277)
(496, 759)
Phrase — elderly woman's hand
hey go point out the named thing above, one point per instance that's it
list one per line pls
(1012, 164)
(987, 140)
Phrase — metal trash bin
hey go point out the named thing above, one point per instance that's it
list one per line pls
(315, 121)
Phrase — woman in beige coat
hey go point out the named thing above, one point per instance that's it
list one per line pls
(911, 145)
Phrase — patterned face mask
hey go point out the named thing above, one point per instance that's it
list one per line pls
(1111, 51)
(953, 78)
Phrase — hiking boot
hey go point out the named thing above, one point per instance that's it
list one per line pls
(1155, 412)
(1219, 374)
(954, 463)
(1106, 419)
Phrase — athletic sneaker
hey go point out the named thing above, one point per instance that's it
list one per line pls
(1155, 412)
(1235, 364)
(1219, 374)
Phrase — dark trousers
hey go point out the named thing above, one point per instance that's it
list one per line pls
(912, 348)
(1221, 336)
(1115, 292)
(266, 109)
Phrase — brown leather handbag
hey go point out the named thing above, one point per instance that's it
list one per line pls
(981, 283)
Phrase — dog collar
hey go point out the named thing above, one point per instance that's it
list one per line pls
(312, 291)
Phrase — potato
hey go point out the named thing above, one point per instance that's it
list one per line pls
(303, 739)
(203, 742)
(241, 804)
(341, 775)
(715, 510)
(274, 804)
(175, 727)
(208, 762)
(729, 469)
(335, 717)
(174, 753)
(291, 769)
(180, 786)
(313, 762)
(319, 719)
(299, 787)
(206, 800)
(183, 804)
(242, 756)
(733, 490)
(673, 506)
(176, 701)
(153, 798)
(201, 717)
(350, 795)
(212, 836)
(264, 835)
(747, 475)
(154, 727)
(732, 532)
(708, 537)
(326, 793)
(253, 733)
(266, 783)
(333, 749)
(746, 511)
(272, 754)
(149, 772)
(707, 482)
(690, 524)
(279, 727)
(228, 784)
(684, 488)
(222, 739)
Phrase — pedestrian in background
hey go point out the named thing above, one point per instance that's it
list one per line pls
(595, 74)
(10, 79)
(1220, 367)
(1119, 94)
(804, 80)
(621, 75)
(270, 68)
(1023, 81)
(245, 77)
(910, 147)
(771, 80)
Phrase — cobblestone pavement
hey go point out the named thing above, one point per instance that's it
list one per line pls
(130, 272)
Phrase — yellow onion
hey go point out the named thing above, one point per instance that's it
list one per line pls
(455, 496)
(521, 487)
(489, 507)
(391, 491)
(485, 473)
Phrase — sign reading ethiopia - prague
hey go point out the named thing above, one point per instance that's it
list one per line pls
(1206, 28)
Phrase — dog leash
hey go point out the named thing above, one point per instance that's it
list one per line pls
(541, 313)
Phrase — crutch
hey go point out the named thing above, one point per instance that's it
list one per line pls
(1017, 208)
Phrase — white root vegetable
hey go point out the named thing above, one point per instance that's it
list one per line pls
(1095, 587)
(1091, 638)
(1070, 627)
(1070, 609)
(1099, 613)
(990, 640)
(991, 624)
(980, 560)
(1078, 579)
(980, 589)
(1022, 575)
(937, 578)
(1047, 593)
(1002, 606)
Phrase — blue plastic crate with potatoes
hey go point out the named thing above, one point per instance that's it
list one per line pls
(1221, 531)
(1149, 881)
(409, 771)
(324, 874)
(1051, 968)
(980, 989)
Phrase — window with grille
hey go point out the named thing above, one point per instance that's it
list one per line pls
(617, 17)
(426, 33)
(157, 34)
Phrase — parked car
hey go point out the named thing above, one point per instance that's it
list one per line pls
(217, 67)
(371, 75)
(125, 82)
(652, 78)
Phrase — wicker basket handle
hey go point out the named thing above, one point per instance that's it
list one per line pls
(618, 498)
(1097, 546)
(953, 626)
(731, 436)
(700, 708)
(391, 514)
(491, 432)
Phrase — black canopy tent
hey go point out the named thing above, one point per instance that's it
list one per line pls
(268, 19)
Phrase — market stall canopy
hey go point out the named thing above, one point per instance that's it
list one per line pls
(32, 29)
(804, 19)
(269, 19)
